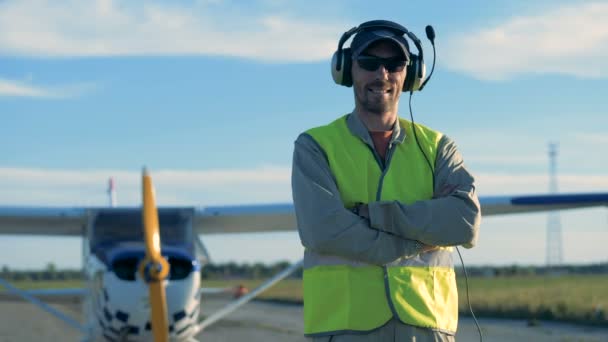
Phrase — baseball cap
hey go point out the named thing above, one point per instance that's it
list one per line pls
(365, 38)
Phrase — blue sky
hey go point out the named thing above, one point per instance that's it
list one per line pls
(211, 94)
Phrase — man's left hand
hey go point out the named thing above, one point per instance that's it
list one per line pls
(362, 210)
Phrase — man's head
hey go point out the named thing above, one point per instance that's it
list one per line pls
(379, 67)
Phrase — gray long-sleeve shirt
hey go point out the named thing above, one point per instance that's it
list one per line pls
(395, 229)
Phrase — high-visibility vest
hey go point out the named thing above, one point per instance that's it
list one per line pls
(342, 295)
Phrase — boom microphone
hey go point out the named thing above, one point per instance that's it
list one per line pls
(430, 33)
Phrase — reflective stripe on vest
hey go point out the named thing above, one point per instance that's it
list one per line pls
(344, 295)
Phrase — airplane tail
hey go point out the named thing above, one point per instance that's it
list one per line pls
(112, 192)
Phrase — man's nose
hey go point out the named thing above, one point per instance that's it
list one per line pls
(382, 72)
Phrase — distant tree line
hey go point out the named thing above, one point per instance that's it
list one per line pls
(261, 271)
(50, 273)
(245, 271)
(519, 270)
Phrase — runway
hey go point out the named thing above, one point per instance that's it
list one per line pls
(270, 322)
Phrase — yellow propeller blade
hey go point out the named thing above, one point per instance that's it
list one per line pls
(154, 268)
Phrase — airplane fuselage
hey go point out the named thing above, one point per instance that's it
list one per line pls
(118, 308)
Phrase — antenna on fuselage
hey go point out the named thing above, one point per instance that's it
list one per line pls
(112, 192)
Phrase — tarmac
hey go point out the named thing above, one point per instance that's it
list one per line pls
(268, 322)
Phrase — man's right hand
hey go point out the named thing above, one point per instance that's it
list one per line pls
(428, 248)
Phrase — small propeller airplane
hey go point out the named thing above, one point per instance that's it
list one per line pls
(143, 264)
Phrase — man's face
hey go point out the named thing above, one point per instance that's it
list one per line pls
(378, 91)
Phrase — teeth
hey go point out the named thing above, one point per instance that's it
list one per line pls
(379, 91)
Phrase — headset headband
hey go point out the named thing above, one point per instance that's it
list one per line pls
(376, 24)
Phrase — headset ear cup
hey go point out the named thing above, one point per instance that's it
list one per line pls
(411, 73)
(416, 72)
(420, 76)
(347, 65)
(336, 74)
(342, 76)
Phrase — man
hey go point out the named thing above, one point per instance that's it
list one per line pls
(378, 206)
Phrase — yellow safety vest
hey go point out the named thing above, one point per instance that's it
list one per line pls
(342, 295)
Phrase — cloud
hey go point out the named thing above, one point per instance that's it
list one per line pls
(507, 183)
(518, 159)
(593, 138)
(38, 186)
(261, 184)
(570, 40)
(10, 88)
(118, 28)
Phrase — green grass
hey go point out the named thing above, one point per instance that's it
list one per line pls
(289, 290)
(569, 298)
(45, 284)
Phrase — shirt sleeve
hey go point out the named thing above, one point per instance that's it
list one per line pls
(450, 218)
(325, 225)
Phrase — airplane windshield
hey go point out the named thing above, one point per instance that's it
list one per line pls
(112, 226)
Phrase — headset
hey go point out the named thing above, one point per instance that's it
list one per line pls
(341, 61)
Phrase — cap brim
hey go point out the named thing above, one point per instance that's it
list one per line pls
(370, 37)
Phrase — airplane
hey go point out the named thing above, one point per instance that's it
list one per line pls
(143, 264)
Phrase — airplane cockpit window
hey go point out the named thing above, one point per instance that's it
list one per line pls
(115, 227)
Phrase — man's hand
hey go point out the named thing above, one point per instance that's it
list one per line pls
(428, 248)
(362, 210)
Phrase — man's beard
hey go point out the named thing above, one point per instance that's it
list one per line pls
(371, 105)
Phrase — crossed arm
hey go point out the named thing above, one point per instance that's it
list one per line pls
(450, 218)
(393, 230)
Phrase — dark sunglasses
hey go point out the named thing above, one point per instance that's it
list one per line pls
(372, 63)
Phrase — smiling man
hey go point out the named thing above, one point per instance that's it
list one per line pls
(380, 203)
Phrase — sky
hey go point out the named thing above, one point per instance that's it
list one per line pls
(211, 94)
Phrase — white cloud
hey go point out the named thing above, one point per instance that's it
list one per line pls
(593, 138)
(108, 28)
(262, 184)
(571, 40)
(31, 186)
(507, 183)
(519, 159)
(11, 88)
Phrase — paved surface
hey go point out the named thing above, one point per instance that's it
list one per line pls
(268, 322)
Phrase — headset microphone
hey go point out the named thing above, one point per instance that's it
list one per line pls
(430, 34)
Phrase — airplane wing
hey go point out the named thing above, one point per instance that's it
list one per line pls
(281, 217)
(501, 205)
(69, 221)
(42, 221)
(245, 219)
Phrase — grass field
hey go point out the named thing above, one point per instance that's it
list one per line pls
(579, 299)
(569, 298)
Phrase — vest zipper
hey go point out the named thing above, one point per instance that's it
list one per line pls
(389, 157)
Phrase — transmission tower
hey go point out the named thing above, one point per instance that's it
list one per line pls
(554, 228)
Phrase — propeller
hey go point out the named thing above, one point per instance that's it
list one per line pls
(154, 268)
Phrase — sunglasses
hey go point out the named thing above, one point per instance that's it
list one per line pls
(372, 63)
